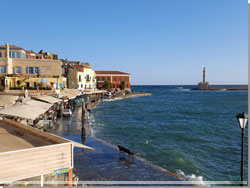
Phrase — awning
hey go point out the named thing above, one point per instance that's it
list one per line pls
(7, 99)
(29, 110)
(70, 95)
(39, 104)
(48, 99)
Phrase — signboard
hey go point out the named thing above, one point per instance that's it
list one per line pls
(61, 171)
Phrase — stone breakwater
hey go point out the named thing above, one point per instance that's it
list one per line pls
(229, 88)
(136, 95)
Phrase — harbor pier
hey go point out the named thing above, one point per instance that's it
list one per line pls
(204, 85)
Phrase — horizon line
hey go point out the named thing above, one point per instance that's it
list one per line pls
(187, 85)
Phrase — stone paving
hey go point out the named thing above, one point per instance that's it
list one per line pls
(105, 163)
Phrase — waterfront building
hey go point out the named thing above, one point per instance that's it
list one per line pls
(79, 75)
(114, 77)
(21, 69)
(204, 85)
(86, 78)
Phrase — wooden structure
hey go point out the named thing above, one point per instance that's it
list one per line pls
(26, 152)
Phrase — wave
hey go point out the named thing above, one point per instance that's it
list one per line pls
(91, 123)
(180, 89)
(192, 178)
(115, 99)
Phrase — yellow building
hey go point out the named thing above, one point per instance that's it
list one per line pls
(85, 77)
(17, 71)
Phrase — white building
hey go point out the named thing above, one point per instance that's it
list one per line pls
(86, 78)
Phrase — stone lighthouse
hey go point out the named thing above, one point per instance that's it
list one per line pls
(204, 75)
(204, 84)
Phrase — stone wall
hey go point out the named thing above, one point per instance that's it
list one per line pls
(72, 79)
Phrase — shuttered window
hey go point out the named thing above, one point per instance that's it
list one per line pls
(2, 69)
(18, 54)
(32, 70)
(17, 70)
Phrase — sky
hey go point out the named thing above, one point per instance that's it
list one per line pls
(159, 42)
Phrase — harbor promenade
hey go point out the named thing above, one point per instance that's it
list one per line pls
(105, 163)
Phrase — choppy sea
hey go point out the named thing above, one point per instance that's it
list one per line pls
(192, 133)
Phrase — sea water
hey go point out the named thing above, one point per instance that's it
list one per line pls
(192, 133)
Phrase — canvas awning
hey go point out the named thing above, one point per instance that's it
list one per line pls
(70, 95)
(29, 110)
(48, 99)
(43, 105)
(7, 99)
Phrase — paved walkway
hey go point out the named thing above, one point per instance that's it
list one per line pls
(105, 163)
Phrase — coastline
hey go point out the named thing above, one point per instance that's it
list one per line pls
(87, 126)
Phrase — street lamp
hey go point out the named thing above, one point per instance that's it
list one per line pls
(242, 119)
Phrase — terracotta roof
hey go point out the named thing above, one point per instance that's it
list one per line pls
(11, 47)
(31, 52)
(111, 72)
(80, 67)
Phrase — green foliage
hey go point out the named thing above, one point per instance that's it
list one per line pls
(107, 84)
(54, 56)
(122, 85)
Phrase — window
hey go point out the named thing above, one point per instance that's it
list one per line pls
(37, 70)
(24, 55)
(18, 54)
(115, 79)
(0, 54)
(80, 78)
(2, 69)
(17, 70)
(35, 85)
(103, 78)
(29, 70)
(120, 79)
(108, 78)
(18, 82)
(81, 85)
(12, 54)
(125, 79)
(98, 78)
(32, 70)
(88, 78)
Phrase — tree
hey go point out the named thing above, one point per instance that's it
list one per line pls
(122, 85)
(107, 85)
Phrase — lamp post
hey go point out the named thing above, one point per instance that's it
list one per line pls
(242, 119)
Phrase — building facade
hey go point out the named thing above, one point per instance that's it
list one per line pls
(86, 78)
(21, 69)
(114, 77)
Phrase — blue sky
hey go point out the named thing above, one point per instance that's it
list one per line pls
(157, 41)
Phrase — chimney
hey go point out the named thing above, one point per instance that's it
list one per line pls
(7, 50)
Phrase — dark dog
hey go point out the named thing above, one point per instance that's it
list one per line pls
(125, 150)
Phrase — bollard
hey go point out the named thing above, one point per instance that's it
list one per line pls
(83, 108)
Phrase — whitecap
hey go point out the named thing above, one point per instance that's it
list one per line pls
(193, 178)
(108, 100)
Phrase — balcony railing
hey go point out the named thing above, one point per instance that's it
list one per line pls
(32, 76)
